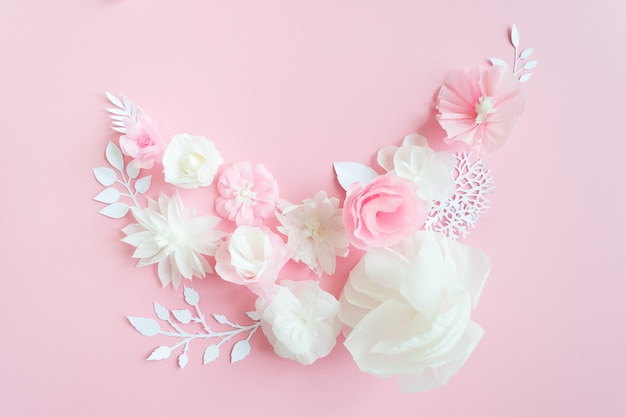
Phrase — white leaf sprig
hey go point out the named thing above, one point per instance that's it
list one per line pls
(150, 327)
(521, 63)
(124, 110)
(121, 174)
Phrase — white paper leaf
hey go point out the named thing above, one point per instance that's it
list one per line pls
(132, 171)
(161, 311)
(253, 315)
(241, 349)
(108, 195)
(120, 129)
(113, 99)
(143, 184)
(525, 77)
(210, 354)
(114, 156)
(191, 296)
(220, 318)
(183, 360)
(118, 112)
(526, 53)
(147, 327)
(497, 62)
(183, 316)
(160, 353)
(115, 210)
(105, 176)
(514, 36)
(530, 65)
(350, 172)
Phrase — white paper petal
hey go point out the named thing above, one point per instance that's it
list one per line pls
(349, 173)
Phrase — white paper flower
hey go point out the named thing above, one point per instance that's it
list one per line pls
(301, 321)
(190, 161)
(415, 161)
(252, 256)
(172, 236)
(315, 232)
(409, 308)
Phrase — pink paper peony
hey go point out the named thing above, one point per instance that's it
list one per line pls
(247, 195)
(480, 106)
(142, 143)
(383, 212)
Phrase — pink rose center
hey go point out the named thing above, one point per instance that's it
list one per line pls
(144, 140)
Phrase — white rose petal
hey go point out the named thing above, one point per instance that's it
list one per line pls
(190, 161)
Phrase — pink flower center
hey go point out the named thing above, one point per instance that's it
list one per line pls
(484, 108)
(144, 140)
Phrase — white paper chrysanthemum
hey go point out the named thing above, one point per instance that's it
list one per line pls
(301, 321)
(409, 309)
(416, 161)
(172, 236)
(315, 232)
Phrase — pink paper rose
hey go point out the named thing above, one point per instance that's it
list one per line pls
(248, 195)
(142, 143)
(480, 106)
(383, 212)
(252, 256)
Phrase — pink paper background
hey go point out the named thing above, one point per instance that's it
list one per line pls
(297, 85)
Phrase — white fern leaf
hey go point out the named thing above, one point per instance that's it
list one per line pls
(124, 110)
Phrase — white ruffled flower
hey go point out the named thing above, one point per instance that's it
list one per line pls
(172, 236)
(190, 161)
(301, 321)
(415, 161)
(315, 232)
(409, 309)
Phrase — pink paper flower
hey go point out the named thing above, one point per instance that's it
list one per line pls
(247, 195)
(142, 143)
(252, 256)
(480, 106)
(383, 212)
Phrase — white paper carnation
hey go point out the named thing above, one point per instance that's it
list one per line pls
(409, 309)
(315, 232)
(172, 236)
(190, 161)
(416, 161)
(301, 321)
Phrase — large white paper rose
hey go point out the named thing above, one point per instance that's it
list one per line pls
(301, 321)
(409, 309)
(416, 161)
(190, 161)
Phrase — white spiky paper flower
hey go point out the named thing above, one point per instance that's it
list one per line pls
(171, 235)
(315, 232)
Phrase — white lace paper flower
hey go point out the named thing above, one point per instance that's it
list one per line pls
(315, 232)
(172, 236)
(416, 161)
(409, 309)
(301, 321)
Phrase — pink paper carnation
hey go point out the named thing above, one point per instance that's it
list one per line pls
(142, 143)
(383, 212)
(247, 195)
(480, 106)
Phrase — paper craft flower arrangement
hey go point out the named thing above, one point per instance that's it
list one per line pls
(405, 309)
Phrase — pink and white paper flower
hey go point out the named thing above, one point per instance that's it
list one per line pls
(315, 232)
(248, 195)
(170, 235)
(252, 256)
(141, 142)
(480, 106)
